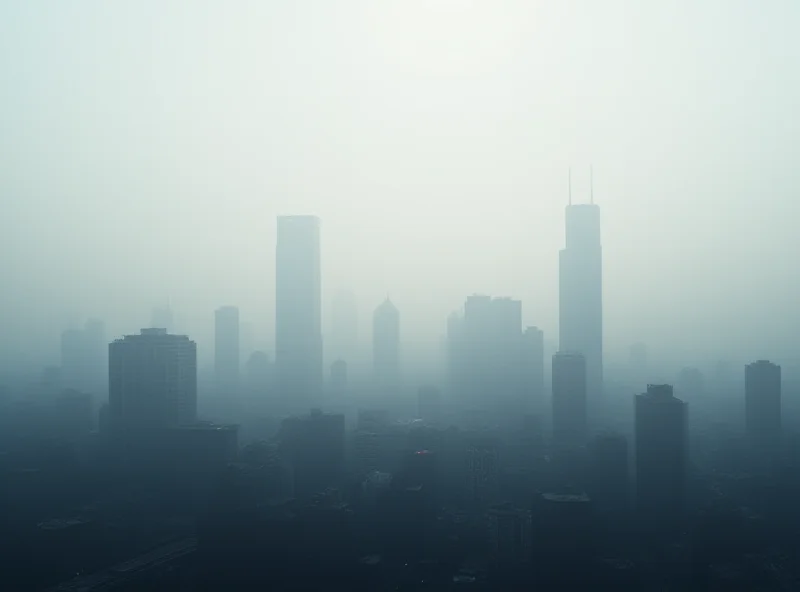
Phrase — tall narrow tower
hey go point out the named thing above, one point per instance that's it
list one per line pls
(298, 314)
(581, 292)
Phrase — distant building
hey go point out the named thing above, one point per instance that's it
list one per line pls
(386, 344)
(581, 292)
(569, 400)
(661, 457)
(487, 354)
(482, 470)
(298, 314)
(227, 362)
(763, 402)
(84, 358)
(314, 445)
(152, 381)
(339, 375)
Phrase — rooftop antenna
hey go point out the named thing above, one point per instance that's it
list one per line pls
(591, 184)
(569, 182)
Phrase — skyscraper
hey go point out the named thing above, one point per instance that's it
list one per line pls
(581, 292)
(386, 343)
(762, 400)
(569, 400)
(298, 331)
(661, 456)
(152, 381)
(533, 344)
(226, 349)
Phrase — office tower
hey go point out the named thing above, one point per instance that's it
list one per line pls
(487, 354)
(386, 343)
(161, 318)
(569, 400)
(533, 344)
(339, 375)
(429, 404)
(84, 362)
(762, 384)
(226, 350)
(298, 331)
(661, 457)
(152, 381)
(343, 341)
(581, 292)
(610, 484)
(314, 445)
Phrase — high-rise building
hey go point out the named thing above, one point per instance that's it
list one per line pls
(386, 343)
(661, 457)
(487, 352)
(563, 542)
(762, 398)
(226, 349)
(298, 331)
(84, 361)
(581, 292)
(343, 341)
(569, 400)
(152, 381)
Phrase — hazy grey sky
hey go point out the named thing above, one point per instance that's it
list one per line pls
(147, 147)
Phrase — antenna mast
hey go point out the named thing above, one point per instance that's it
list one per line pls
(591, 184)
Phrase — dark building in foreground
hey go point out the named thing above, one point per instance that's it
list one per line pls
(298, 313)
(610, 481)
(569, 400)
(762, 400)
(563, 540)
(661, 457)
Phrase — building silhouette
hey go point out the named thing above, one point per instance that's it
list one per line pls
(227, 349)
(487, 354)
(386, 343)
(298, 332)
(762, 380)
(581, 292)
(569, 400)
(84, 358)
(661, 457)
(314, 444)
(152, 381)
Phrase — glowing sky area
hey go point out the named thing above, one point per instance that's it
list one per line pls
(148, 146)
